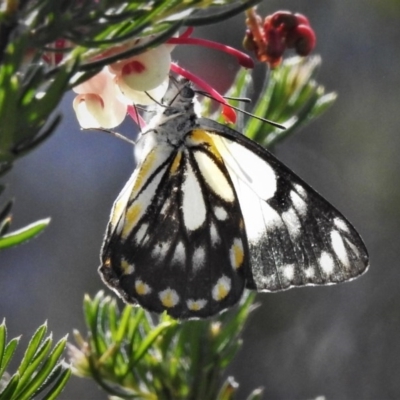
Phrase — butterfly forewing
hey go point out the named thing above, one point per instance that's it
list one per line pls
(209, 212)
(295, 237)
(186, 252)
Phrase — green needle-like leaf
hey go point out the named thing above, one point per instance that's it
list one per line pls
(8, 353)
(24, 234)
(59, 385)
(9, 391)
(45, 370)
(32, 348)
(28, 376)
(148, 341)
(3, 340)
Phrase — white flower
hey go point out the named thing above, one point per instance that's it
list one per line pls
(102, 100)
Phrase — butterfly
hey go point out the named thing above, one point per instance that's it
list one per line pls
(209, 212)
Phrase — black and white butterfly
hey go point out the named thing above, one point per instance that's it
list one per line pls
(208, 213)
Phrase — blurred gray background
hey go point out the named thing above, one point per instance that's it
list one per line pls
(342, 341)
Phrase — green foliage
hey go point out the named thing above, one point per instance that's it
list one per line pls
(290, 96)
(41, 371)
(30, 89)
(135, 355)
(21, 235)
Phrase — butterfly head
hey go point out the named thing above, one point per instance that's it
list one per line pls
(179, 96)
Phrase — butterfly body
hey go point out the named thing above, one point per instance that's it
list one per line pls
(208, 212)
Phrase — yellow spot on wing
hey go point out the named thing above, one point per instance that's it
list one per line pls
(176, 162)
(196, 305)
(143, 173)
(237, 253)
(142, 288)
(200, 137)
(169, 298)
(126, 267)
(131, 218)
(222, 288)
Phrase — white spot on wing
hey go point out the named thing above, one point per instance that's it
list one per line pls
(300, 190)
(338, 247)
(214, 177)
(215, 239)
(288, 272)
(292, 222)
(179, 254)
(309, 272)
(165, 207)
(141, 287)
(268, 282)
(198, 258)
(299, 204)
(339, 223)
(221, 288)
(193, 207)
(220, 213)
(327, 263)
(196, 305)
(141, 233)
(353, 247)
(169, 298)
(160, 250)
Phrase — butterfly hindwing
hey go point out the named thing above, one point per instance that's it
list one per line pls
(208, 212)
(187, 251)
(296, 238)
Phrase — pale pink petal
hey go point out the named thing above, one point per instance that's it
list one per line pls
(93, 112)
(143, 72)
(138, 97)
(96, 84)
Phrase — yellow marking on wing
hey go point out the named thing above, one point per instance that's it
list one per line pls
(176, 162)
(200, 136)
(196, 305)
(126, 267)
(222, 292)
(131, 218)
(237, 254)
(143, 173)
(169, 298)
(107, 263)
(142, 288)
(221, 288)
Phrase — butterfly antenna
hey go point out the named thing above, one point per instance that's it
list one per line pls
(240, 99)
(112, 133)
(268, 121)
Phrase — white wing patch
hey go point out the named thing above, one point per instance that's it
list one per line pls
(193, 207)
(327, 263)
(214, 177)
(262, 179)
(339, 248)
